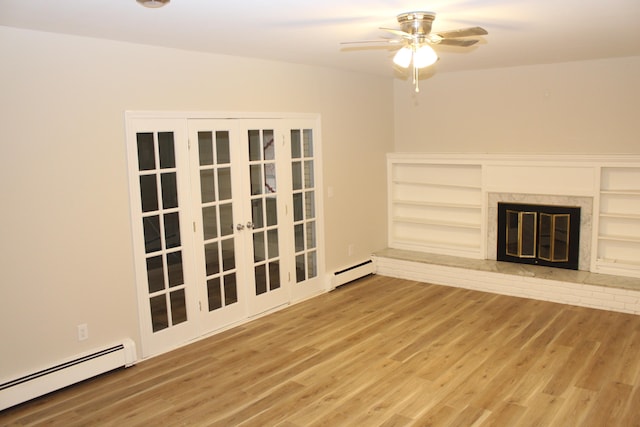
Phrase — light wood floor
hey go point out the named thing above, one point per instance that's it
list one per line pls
(379, 352)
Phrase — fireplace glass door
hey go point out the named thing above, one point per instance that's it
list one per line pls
(539, 234)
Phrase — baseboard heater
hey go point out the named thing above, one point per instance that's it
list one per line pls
(352, 273)
(67, 373)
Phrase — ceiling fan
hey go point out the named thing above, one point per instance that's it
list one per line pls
(416, 40)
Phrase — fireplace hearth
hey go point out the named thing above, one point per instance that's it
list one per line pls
(547, 235)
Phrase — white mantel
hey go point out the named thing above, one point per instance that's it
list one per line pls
(443, 203)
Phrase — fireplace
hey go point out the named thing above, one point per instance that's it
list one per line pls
(586, 219)
(547, 235)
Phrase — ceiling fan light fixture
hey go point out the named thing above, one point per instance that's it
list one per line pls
(153, 4)
(424, 56)
(403, 57)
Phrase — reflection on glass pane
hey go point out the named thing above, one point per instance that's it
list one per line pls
(272, 211)
(274, 275)
(166, 150)
(300, 268)
(230, 289)
(207, 186)
(544, 245)
(308, 174)
(172, 230)
(295, 144)
(299, 237)
(178, 306)
(258, 246)
(297, 207)
(205, 148)
(308, 142)
(309, 206)
(269, 146)
(155, 274)
(148, 193)
(169, 190)
(211, 258)
(226, 219)
(257, 214)
(222, 147)
(214, 294)
(228, 255)
(159, 315)
(270, 178)
(174, 268)
(224, 183)
(261, 279)
(311, 235)
(151, 225)
(256, 179)
(255, 147)
(528, 238)
(512, 233)
(272, 243)
(146, 157)
(209, 223)
(296, 175)
(312, 264)
(561, 237)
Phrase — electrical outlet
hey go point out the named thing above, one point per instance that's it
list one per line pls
(83, 332)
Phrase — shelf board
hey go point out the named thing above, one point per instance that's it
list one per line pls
(619, 262)
(619, 215)
(454, 224)
(438, 184)
(620, 192)
(620, 238)
(438, 244)
(437, 204)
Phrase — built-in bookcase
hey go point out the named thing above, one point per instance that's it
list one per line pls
(619, 221)
(435, 207)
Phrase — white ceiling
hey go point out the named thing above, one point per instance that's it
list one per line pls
(521, 32)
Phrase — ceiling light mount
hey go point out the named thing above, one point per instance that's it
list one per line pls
(153, 4)
(416, 23)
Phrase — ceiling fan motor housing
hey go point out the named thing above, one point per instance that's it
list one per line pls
(416, 23)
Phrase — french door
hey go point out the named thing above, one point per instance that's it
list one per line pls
(224, 222)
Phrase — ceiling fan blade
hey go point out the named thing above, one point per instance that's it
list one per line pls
(456, 42)
(397, 32)
(463, 32)
(380, 41)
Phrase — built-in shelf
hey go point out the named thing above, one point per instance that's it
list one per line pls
(435, 207)
(618, 246)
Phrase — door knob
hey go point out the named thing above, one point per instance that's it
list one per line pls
(240, 227)
(249, 224)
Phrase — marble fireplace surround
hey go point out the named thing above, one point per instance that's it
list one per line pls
(586, 219)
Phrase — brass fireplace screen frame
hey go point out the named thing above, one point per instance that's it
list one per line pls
(523, 237)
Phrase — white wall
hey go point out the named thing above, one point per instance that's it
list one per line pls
(65, 248)
(574, 107)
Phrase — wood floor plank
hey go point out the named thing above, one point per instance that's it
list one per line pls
(378, 352)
